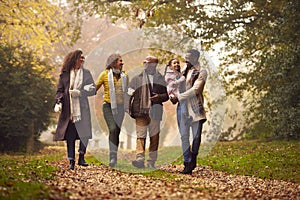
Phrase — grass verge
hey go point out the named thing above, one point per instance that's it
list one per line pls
(271, 160)
(22, 176)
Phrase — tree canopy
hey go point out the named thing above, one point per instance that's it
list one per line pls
(37, 25)
(260, 39)
(31, 32)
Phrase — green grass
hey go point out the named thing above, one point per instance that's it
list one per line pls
(272, 160)
(166, 156)
(22, 176)
(126, 166)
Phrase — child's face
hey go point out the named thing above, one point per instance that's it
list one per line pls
(175, 65)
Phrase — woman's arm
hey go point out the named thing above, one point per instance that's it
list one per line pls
(60, 90)
(89, 87)
(100, 81)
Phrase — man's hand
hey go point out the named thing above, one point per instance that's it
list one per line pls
(155, 98)
(174, 100)
(130, 91)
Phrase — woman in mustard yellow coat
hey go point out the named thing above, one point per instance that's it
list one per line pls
(115, 82)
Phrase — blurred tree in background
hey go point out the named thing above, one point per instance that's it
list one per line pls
(26, 98)
(31, 34)
(38, 25)
(260, 40)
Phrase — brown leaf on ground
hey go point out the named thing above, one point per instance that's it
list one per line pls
(102, 182)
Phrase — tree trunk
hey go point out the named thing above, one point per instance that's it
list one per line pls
(30, 139)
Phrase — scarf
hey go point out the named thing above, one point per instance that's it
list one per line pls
(76, 79)
(112, 90)
(145, 95)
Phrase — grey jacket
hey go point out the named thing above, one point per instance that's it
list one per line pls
(84, 127)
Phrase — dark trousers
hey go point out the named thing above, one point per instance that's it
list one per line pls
(71, 136)
(114, 123)
(71, 147)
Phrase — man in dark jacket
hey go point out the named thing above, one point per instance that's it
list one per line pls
(148, 91)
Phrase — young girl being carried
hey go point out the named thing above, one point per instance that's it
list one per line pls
(174, 81)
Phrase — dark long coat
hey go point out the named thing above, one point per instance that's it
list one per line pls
(159, 88)
(84, 127)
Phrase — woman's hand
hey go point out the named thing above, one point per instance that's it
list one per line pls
(75, 93)
(57, 107)
(155, 98)
(89, 87)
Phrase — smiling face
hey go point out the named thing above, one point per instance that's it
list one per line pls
(192, 57)
(80, 61)
(119, 64)
(175, 65)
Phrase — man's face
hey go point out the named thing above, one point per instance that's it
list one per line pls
(150, 68)
(189, 59)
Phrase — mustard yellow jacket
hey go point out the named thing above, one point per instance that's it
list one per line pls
(103, 80)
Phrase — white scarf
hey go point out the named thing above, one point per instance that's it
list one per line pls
(112, 90)
(76, 79)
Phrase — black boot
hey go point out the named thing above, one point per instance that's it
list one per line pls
(113, 158)
(187, 168)
(194, 161)
(72, 164)
(112, 162)
(81, 160)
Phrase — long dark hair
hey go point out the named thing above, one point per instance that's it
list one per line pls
(112, 60)
(70, 60)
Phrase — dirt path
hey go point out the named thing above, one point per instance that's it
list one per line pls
(102, 182)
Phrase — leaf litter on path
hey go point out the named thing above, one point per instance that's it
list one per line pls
(103, 182)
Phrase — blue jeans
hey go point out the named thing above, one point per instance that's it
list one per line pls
(184, 125)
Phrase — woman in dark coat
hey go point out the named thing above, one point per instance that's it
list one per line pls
(74, 86)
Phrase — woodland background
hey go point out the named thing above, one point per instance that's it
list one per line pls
(257, 41)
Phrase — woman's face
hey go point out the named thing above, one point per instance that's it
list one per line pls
(80, 61)
(119, 64)
(175, 65)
